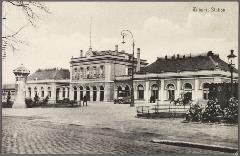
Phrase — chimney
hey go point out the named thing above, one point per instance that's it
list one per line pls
(138, 60)
(116, 48)
(166, 57)
(81, 53)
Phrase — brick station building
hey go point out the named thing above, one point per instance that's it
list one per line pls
(169, 77)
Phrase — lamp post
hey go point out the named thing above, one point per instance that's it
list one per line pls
(158, 83)
(231, 64)
(124, 33)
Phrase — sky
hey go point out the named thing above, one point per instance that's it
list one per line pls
(159, 29)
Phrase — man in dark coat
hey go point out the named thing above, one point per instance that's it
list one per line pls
(85, 99)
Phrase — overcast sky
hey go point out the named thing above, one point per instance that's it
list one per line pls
(159, 29)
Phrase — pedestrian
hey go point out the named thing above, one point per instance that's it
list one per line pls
(85, 99)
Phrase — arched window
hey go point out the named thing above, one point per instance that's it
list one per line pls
(57, 94)
(63, 93)
(171, 92)
(81, 93)
(154, 91)
(94, 93)
(75, 93)
(205, 90)
(188, 89)
(88, 93)
(81, 72)
(68, 92)
(42, 92)
(35, 90)
(140, 90)
(29, 92)
(49, 92)
(101, 93)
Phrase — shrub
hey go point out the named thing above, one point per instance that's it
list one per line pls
(212, 112)
(195, 113)
(231, 111)
(45, 101)
(72, 102)
(7, 104)
(65, 100)
(29, 102)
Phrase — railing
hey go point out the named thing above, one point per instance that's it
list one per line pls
(161, 108)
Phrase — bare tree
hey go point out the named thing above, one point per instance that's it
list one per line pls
(31, 11)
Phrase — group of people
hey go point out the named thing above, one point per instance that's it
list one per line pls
(85, 99)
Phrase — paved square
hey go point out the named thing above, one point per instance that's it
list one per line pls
(104, 128)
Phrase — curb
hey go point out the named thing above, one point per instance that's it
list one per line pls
(196, 145)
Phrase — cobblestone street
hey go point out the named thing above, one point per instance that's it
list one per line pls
(23, 135)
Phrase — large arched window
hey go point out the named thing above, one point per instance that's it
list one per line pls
(154, 91)
(188, 89)
(170, 92)
(140, 90)
(205, 88)
(94, 93)
(101, 93)
(88, 93)
(81, 93)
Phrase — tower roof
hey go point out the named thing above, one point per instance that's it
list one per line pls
(21, 69)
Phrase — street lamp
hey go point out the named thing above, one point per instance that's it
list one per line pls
(124, 33)
(231, 64)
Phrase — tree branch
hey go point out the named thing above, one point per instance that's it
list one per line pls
(14, 34)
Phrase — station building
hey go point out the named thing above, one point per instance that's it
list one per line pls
(102, 75)
(53, 83)
(94, 73)
(170, 77)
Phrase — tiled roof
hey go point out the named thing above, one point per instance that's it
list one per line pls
(8, 86)
(52, 74)
(208, 61)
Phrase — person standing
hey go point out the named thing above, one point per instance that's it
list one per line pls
(85, 99)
